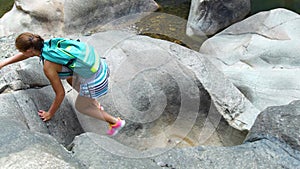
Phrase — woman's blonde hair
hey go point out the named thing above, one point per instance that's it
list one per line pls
(28, 40)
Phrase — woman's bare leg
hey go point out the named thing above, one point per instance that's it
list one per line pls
(91, 108)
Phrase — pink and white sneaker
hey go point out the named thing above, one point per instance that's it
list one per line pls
(115, 128)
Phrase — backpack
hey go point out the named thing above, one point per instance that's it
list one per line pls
(77, 56)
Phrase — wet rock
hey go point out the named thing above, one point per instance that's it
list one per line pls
(207, 17)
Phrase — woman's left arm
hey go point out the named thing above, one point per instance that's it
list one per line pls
(50, 70)
(16, 58)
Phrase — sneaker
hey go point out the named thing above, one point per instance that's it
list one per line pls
(115, 128)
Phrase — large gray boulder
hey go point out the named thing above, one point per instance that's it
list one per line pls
(59, 17)
(260, 56)
(89, 149)
(207, 17)
(26, 90)
(259, 154)
(36, 16)
(27, 141)
(22, 148)
(278, 122)
(22, 75)
(85, 17)
(168, 95)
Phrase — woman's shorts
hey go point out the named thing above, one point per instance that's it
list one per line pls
(97, 85)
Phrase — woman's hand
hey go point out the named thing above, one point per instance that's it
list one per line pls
(45, 116)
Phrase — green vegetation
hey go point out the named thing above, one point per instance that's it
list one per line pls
(5, 6)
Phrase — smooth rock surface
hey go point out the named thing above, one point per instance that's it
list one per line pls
(60, 18)
(260, 56)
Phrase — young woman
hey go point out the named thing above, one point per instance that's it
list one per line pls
(30, 45)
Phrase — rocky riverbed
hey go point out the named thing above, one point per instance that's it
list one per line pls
(184, 108)
(25, 133)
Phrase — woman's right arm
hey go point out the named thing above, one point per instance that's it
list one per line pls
(50, 70)
(16, 58)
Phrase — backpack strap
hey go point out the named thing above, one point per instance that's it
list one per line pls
(64, 75)
(60, 74)
(71, 61)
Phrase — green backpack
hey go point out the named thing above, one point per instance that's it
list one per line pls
(77, 56)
